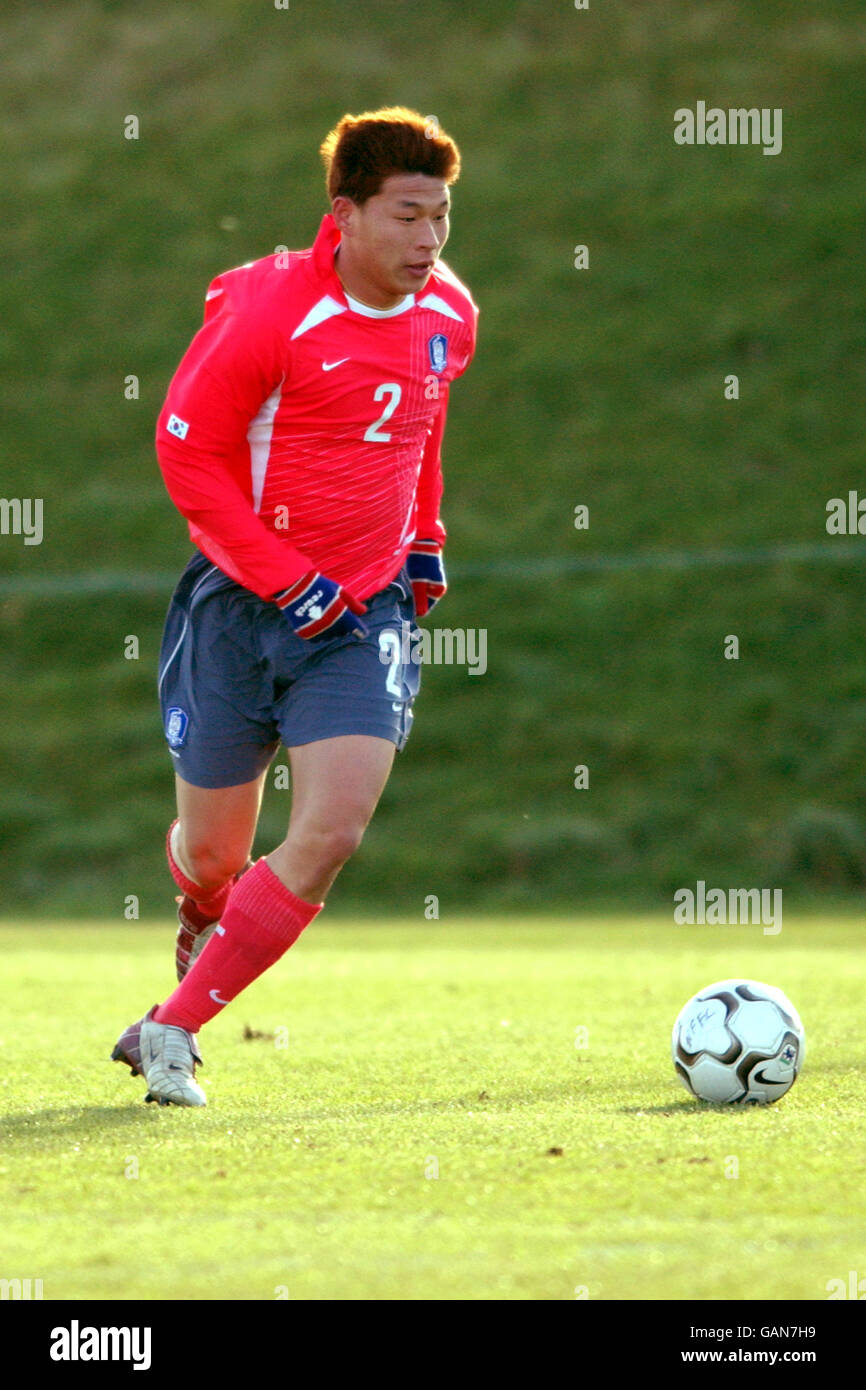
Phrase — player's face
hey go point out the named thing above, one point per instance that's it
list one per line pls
(392, 242)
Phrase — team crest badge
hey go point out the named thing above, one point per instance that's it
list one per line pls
(176, 725)
(437, 347)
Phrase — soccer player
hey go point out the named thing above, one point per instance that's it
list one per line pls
(301, 440)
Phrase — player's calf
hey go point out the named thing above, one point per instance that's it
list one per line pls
(194, 931)
(196, 926)
(199, 909)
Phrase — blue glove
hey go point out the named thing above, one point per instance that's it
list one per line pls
(320, 609)
(427, 575)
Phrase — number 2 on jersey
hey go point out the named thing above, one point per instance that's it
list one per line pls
(374, 432)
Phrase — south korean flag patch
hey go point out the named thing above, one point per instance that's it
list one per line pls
(176, 725)
(437, 349)
(177, 426)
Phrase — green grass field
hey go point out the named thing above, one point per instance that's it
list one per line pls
(601, 387)
(422, 1047)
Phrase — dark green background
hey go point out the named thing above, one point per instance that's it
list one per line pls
(602, 387)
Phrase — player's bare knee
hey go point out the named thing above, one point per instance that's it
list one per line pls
(212, 865)
(330, 847)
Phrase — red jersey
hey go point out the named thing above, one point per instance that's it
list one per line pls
(302, 429)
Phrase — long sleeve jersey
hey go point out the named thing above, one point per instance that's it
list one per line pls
(302, 429)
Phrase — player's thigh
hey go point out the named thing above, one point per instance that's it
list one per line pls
(219, 823)
(338, 781)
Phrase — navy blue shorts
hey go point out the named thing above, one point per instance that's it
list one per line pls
(235, 681)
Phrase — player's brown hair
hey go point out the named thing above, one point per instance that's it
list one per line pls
(361, 151)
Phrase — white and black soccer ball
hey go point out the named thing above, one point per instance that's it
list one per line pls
(738, 1042)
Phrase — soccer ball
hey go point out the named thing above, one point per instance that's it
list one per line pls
(738, 1042)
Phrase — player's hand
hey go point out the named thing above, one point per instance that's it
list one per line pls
(320, 609)
(427, 575)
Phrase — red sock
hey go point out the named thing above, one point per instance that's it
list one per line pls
(212, 905)
(261, 922)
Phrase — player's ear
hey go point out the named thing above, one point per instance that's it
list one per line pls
(344, 211)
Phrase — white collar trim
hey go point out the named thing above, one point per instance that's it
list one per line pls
(357, 307)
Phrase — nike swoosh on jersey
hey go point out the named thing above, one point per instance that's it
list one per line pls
(329, 366)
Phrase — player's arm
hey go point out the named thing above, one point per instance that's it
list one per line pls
(230, 369)
(424, 561)
(233, 366)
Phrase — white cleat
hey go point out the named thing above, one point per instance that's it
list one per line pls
(168, 1061)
